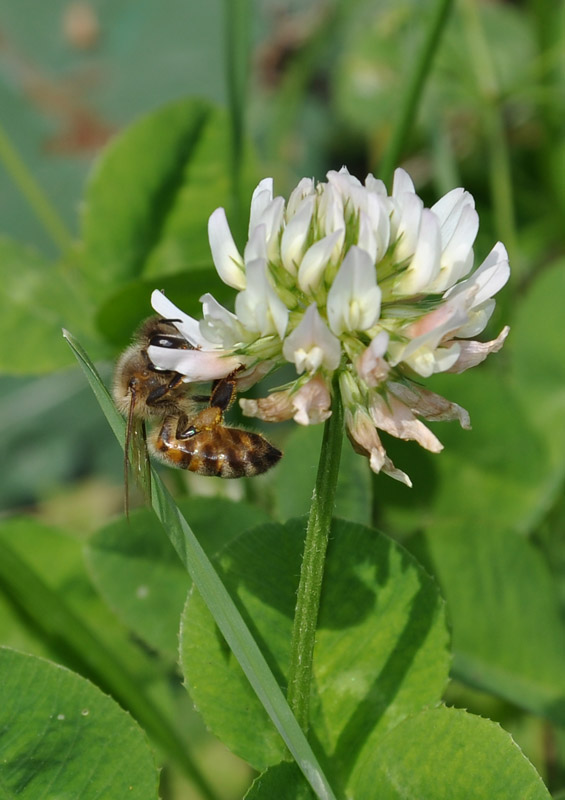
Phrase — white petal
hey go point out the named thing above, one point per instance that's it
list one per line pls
(196, 365)
(259, 308)
(219, 325)
(305, 188)
(272, 218)
(375, 185)
(316, 259)
(311, 344)
(354, 300)
(427, 361)
(379, 211)
(330, 210)
(225, 254)
(367, 240)
(188, 326)
(477, 320)
(402, 183)
(405, 225)
(262, 196)
(424, 265)
(457, 256)
(295, 235)
(449, 209)
(488, 279)
(256, 246)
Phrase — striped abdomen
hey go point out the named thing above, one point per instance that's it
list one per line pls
(220, 451)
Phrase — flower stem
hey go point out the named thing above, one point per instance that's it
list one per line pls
(312, 570)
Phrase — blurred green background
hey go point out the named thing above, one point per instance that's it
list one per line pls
(324, 86)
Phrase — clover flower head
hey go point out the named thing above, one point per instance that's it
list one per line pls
(347, 280)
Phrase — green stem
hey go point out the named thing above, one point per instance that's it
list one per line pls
(312, 570)
(59, 623)
(30, 189)
(414, 87)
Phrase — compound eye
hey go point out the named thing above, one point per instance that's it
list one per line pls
(171, 342)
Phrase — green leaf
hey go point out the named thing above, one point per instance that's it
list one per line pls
(508, 631)
(63, 738)
(139, 574)
(381, 650)
(283, 781)
(443, 753)
(51, 562)
(150, 195)
(447, 754)
(36, 301)
(224, 611)
(297, 475)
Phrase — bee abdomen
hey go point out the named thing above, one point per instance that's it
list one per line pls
(220, 451)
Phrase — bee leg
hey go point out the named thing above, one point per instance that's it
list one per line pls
(223, 393)
(186, 443)
(161, 392)
(205, 420)
(165, 442)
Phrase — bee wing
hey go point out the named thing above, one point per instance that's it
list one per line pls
(136, 456)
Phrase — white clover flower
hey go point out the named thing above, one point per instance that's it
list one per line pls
(347, 280)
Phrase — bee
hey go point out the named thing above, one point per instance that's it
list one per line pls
(188, 435)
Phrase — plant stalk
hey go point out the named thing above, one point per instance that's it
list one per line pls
(313, 561)
(413, 89)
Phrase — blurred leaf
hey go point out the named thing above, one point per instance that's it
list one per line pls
(535, 348)
(139, 574)
(379, 45)
(447, 754)
(63, 738)
(151, 193)
(56, 560)
(124, 310)
(37, 300)
(50, 433)
(508, 632)
(297, 475)
(381, 648)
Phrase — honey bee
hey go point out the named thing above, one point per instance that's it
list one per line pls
(188, 436)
